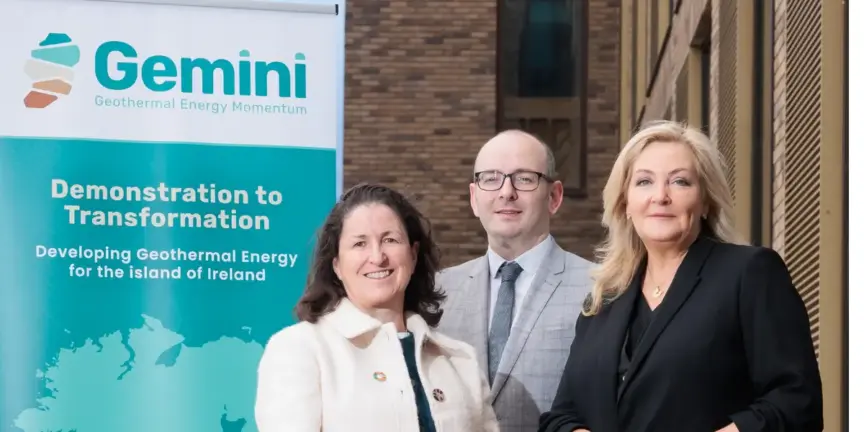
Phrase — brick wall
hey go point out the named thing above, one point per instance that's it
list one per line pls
(420, 101)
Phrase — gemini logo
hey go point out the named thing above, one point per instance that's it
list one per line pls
(50, 67)
(138, 80)
(215, 86)
(160, 73)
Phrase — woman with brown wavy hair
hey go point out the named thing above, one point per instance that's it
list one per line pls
(365, 355)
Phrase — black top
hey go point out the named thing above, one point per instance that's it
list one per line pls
(640, 318)
(424, 412)
(730, 343)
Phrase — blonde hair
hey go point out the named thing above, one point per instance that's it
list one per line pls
(622, 250)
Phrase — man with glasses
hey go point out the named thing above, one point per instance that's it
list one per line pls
(518, 304)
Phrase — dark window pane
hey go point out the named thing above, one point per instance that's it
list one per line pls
(541, 48)
(706, 84)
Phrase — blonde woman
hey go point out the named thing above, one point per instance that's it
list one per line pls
(685, 329)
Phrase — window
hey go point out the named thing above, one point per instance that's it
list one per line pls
(541, 85)
(705, 88)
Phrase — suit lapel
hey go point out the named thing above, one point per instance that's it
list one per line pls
(473, 300)
(685, 280)
(616, 325)
(544, 285)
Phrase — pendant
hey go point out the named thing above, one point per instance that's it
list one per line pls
(657, 292)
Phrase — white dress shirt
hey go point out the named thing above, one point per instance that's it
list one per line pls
(530, 261)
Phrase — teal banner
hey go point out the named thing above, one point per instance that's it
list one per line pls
(160, 196)
(142, 280)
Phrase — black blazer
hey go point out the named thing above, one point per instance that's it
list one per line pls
(730, 343)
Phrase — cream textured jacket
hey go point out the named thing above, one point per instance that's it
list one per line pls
(347, 373)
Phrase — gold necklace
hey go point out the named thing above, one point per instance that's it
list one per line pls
(657, 291)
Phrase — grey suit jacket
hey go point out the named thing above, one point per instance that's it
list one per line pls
(536, 352)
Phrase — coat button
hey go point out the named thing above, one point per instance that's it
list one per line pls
(438, 395)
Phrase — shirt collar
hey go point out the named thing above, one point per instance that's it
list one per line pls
(530, 261)
(350, 322)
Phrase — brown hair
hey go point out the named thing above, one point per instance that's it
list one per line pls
(324, 290)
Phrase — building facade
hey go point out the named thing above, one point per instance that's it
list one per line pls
(766, 80)
(428, 82)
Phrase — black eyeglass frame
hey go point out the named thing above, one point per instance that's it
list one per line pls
(540, 176)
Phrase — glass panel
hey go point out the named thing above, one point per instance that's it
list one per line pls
(541, 48)
(706, 84)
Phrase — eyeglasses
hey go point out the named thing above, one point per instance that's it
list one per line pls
(525, 181)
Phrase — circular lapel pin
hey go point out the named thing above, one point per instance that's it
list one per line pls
(438, 395)
(379, 376)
